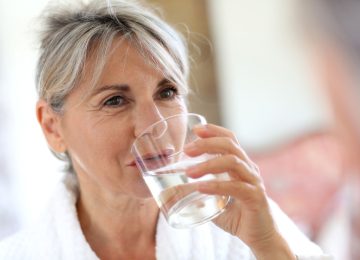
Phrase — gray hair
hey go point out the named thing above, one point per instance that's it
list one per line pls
(74, 31)
(70, 32)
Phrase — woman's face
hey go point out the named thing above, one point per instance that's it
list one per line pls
(99, 125)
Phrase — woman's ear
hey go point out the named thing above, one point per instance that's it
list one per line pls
(51, 127)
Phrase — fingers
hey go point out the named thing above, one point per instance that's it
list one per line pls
(210, 130)
(226, 141)
(251, 195)
(221, 141)
(215, 145)
(235, 167)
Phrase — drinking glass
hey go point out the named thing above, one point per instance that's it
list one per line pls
(160, 158)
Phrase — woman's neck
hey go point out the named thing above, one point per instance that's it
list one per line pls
(118, 228)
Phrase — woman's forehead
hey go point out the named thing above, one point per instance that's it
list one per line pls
(123, 65)
(123, 59)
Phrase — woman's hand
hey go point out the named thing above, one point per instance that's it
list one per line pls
(248, 216)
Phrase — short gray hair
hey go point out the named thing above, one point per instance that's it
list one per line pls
(71, 31)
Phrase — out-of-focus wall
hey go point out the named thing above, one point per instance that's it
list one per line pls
(268, 94)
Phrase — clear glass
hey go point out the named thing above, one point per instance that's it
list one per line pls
(162, 162)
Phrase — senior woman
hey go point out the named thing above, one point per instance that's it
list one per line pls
(106, 72)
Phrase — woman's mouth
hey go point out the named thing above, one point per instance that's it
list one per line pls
(153, 160)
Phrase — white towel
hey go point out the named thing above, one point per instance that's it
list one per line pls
(58, 235)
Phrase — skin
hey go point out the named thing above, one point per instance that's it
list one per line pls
(115, 208)
(248, 216)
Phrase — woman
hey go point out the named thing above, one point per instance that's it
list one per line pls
(105, 73)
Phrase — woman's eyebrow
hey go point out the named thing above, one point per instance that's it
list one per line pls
(117, 87)
(164, 81)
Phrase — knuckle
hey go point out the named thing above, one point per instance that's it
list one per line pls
(233, 137)
(255, 167)
(260, 188)
(258, 195)
(230, 142)
(257, 180)
(231, 134)
(217, 185)
(233, 159)
(207, 164)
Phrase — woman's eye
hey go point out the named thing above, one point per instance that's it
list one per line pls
(115, 101)
(168, 93)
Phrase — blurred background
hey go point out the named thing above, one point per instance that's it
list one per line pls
(255, 70)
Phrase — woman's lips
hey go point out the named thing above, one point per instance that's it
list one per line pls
(153, 160)
(132, 164)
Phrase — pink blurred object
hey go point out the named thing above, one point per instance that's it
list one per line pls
(303, 177)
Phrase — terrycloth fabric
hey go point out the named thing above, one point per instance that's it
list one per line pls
(58, 235)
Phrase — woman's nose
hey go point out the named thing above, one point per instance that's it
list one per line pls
(145, 116)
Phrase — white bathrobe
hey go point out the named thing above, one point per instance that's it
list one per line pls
(58, 235)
